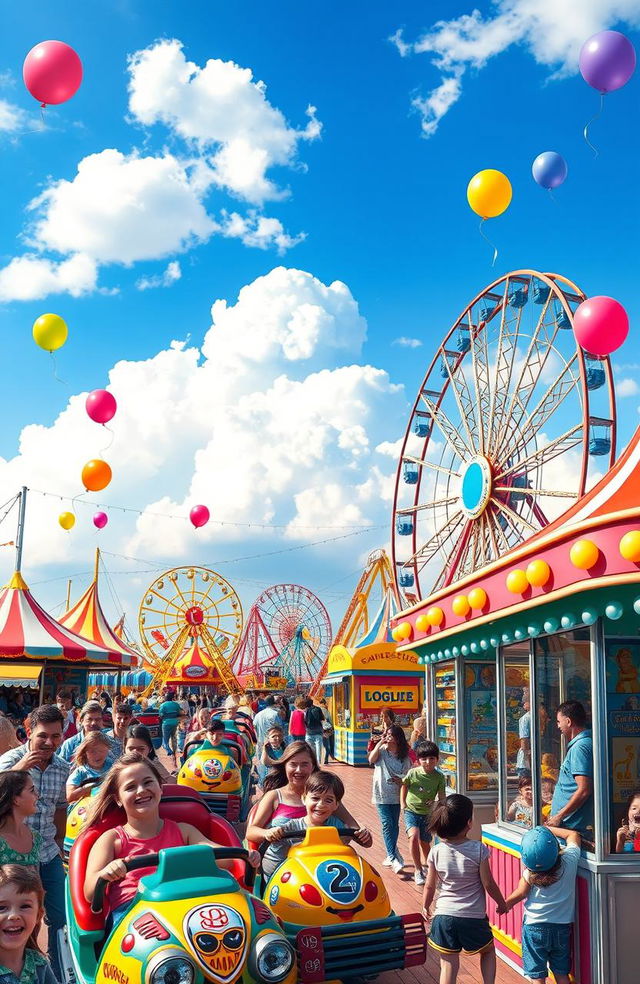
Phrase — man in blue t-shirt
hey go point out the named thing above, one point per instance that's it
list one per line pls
(572, 803)
(170, 713)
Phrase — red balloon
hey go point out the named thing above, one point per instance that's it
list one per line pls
(199, 516)
(101, 406)
(600, 325)
(100, 520)
(52, 72)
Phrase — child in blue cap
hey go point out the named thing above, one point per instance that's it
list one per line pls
(548, 887)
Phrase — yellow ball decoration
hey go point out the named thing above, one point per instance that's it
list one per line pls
(435, 616)
(517, 582)
(538, 573)
(422, 623)
(630, 546)
(460, 605)
(395, 634)
(405, 629)
(477, 598)
(67, 520)
(50, 332)
(584, 554)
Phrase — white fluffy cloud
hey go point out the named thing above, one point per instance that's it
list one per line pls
(221, 108)
(405, 342)
(272, 420)
(553, 31)
(126, 207)
(13, 119)
(627, 387)
(167, 278)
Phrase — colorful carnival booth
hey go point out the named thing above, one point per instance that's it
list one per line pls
(365, 679)
(545, 610)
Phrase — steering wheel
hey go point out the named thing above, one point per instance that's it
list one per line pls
(151, 861)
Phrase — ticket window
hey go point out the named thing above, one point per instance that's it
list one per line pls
(623, 740)
(342, 704)
(532, 746)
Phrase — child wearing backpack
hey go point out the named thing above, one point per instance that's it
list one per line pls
(548, 887)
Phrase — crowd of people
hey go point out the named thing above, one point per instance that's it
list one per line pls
(67, 750)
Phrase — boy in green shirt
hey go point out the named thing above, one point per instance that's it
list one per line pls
(420, 789)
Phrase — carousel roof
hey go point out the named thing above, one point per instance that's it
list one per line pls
(380, 628)
(87, 619)
(581, 551)
(194, 666)
(27, 630)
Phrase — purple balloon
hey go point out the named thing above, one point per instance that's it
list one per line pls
(607, 61)
(100, 520)
(549, 169)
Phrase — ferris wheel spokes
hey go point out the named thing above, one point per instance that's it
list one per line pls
(507, 354)
(446, 428)
(555, 394)
(435, 504)
(460, 392)
(425, 463)
(565, 442)
(436, 540)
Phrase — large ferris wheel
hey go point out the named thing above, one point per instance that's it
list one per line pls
(512, 423)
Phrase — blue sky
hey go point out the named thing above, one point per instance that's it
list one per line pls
(383, 210)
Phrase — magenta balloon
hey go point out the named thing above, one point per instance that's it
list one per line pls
(607, 61)
(100, 520)
(52, 72)
(199, 516)
(601, 325)
(101, 406)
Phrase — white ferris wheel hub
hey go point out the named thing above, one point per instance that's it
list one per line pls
(476, 486)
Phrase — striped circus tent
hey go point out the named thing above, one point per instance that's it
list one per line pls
(194, 666)
(380, 627)
(87, 619)
(27, 630)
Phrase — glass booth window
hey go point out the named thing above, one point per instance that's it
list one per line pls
(623, 729)
(445, 686)
(481, 725)
(341, 704)
(516, 735)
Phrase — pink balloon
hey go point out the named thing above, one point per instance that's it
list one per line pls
(600, 325)
(199, 516)
(101, 406)
(52, 72)
(100, 520)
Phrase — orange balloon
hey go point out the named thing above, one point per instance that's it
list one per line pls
(96, 475)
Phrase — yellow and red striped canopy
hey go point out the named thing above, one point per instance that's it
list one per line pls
(87, 619)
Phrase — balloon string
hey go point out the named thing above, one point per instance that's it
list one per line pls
(74, 500)
(107, 446)
(585, 132)
(493, 246)
(55, 370)
(551, 196)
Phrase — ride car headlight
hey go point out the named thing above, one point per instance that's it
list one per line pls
(171, 968)
(273, 957)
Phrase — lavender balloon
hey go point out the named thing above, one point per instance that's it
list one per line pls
(549, 169)
(607, 61)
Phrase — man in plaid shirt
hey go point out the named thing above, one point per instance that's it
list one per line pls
(49, 773)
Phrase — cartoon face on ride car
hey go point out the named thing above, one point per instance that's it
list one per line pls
(218, 938)
(323, 882)
(211, 770)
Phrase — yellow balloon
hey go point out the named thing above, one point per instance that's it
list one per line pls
(489, 193)
(517, 581)
(477, 598)
(422, 623)
(538, 573)
(460, 605)
(435, 616)
(584, 554)
(630, 546)
(67, 520)
(50, 332)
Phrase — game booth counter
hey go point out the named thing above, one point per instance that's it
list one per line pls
(363, 680)
(560, 614)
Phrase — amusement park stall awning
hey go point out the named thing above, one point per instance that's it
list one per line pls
(194, 666)
(87, 619)
(27, 630)
(380, 628)
(20, 675)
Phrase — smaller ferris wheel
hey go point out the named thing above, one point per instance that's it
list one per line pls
(288, 630)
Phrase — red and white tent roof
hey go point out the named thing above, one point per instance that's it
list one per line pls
(27, 630)
(86, 619)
